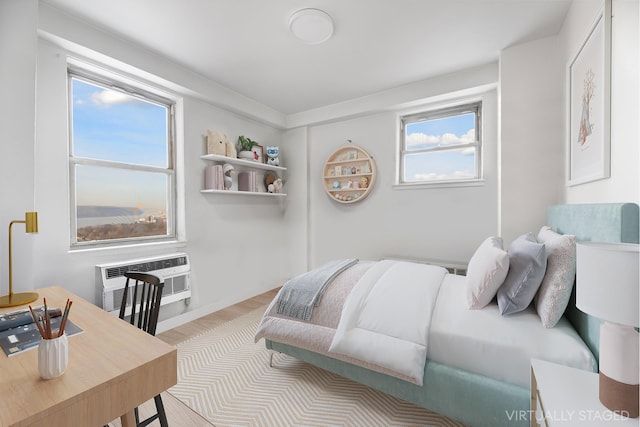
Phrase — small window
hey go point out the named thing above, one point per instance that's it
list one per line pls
(441, 146)
(121, 163)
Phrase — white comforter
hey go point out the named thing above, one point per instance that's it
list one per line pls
(387, 316)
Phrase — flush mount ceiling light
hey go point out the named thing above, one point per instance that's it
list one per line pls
(311, 26)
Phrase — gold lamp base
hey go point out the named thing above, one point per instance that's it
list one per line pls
(19, 298)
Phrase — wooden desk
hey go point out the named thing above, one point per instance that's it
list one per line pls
(113, 368)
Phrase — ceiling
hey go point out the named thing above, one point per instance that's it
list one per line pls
(377, 45)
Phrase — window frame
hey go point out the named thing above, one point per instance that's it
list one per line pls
(136, 89)
(468, 106)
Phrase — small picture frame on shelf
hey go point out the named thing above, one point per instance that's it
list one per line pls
(258, 153)
(352, 155)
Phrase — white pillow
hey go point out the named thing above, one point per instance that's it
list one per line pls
(487, 270)
(555, 290)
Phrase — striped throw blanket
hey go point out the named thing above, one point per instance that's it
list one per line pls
(300, 294)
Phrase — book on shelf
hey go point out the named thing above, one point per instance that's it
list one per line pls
(213, 177)
(248, 181)
(18, 332)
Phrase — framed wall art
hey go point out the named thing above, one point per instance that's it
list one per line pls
(258, 153)
(589, 104)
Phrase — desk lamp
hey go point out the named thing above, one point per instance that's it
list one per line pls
(11, 300)
(607, 287)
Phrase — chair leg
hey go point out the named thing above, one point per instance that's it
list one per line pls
(135, 411)
(161, 414)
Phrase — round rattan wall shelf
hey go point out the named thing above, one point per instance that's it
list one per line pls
(349, 174)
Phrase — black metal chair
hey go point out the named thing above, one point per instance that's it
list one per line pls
(145, 306)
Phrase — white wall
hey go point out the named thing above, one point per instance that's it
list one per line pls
(434, 223)
(531, 155)
(532, 135)
(75, 34)
(232, 241)
(239, 246)
(18, 43)
(296, 154)
(533, 90)
(624, 184)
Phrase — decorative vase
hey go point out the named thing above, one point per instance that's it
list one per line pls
(53, 357)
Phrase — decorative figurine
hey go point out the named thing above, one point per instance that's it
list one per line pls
(228, 171)
(218, 143)
(272, 155)
(275, 186)
(364, 182)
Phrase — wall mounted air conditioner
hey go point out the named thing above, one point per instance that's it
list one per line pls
(173, 269)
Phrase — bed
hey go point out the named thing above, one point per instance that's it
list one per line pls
(483, 391)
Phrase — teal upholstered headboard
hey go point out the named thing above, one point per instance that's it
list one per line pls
(598, 222)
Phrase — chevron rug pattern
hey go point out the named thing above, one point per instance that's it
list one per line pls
(226, 378)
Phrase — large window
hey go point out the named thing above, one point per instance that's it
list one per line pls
(121, 162)
(441, 146)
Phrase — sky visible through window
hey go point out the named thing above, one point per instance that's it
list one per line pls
(449, 164)
(110, 125)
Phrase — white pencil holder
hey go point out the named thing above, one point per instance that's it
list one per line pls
(53, 357)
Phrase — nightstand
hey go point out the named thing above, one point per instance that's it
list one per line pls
(564, 396)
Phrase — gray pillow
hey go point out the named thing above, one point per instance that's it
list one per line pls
(527, 264)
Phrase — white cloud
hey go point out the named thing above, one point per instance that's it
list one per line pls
(427, 176)
(432, 176)
(470, 136)
(415, 139)
(421, 139)
(464, 174)
(109, 97)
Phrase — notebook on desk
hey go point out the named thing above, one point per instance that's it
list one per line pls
(18, 332)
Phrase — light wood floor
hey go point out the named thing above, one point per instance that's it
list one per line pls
(178, 414)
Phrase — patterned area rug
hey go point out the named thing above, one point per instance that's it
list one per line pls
(226, 378)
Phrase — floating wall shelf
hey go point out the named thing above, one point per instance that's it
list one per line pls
(349, 174)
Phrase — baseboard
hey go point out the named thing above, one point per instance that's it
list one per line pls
(181, 319)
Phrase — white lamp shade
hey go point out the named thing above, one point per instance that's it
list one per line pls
(607, 281)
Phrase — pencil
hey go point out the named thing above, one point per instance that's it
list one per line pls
(47, 321)
(65, 315)
(63, 320)
(35, 320)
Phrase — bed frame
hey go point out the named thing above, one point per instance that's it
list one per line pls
(474, 399)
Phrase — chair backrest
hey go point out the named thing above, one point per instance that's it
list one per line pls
(145, 301)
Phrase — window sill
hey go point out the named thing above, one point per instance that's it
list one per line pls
(132, 248)
(450, 184)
